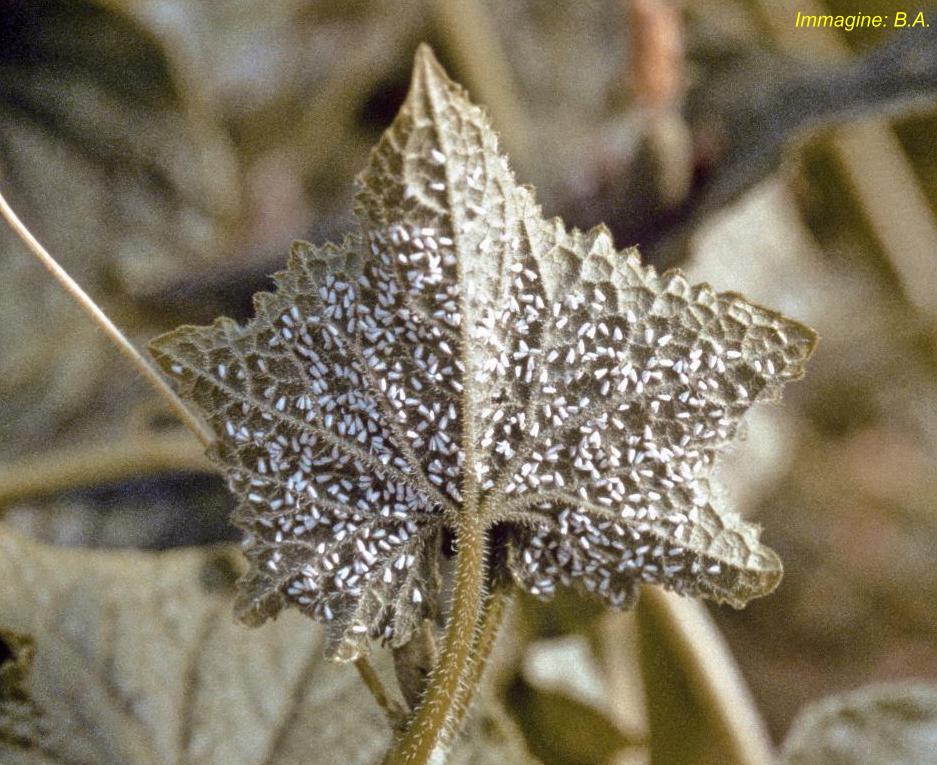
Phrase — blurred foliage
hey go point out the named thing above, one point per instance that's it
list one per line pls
(561, 729)
(20, 716)
(119, 174)
(168, 151)
(878, 725)
(138, 661)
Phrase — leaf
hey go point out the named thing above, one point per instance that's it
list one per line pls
(503, 742)
(893, 724)
(457, 354)
(700, 710)
(92, 100)
(137, 661)
(562, 729)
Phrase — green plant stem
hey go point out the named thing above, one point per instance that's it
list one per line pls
(393, 710)
(493, 615)
(144, 367)
(433, 720)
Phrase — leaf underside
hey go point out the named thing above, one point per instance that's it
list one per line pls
(458, 353)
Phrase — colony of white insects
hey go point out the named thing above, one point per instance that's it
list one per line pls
(460, 354)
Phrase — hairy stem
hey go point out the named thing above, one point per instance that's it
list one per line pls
(393, 710)
(490, 625)
(433, 720)
(91, 308)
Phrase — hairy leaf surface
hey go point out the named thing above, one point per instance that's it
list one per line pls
(458, 353)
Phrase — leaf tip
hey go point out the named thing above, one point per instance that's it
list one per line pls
(429, 77)
(425, 63)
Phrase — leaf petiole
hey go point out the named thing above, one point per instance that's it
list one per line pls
(435, 719)
(393, 710)
(489, 627)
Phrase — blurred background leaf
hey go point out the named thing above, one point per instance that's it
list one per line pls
(137, 660)
(123, 178)
(699, 708)
(877, 725)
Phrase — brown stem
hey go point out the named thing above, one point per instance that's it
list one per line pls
(393, 710)
(433, 720)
